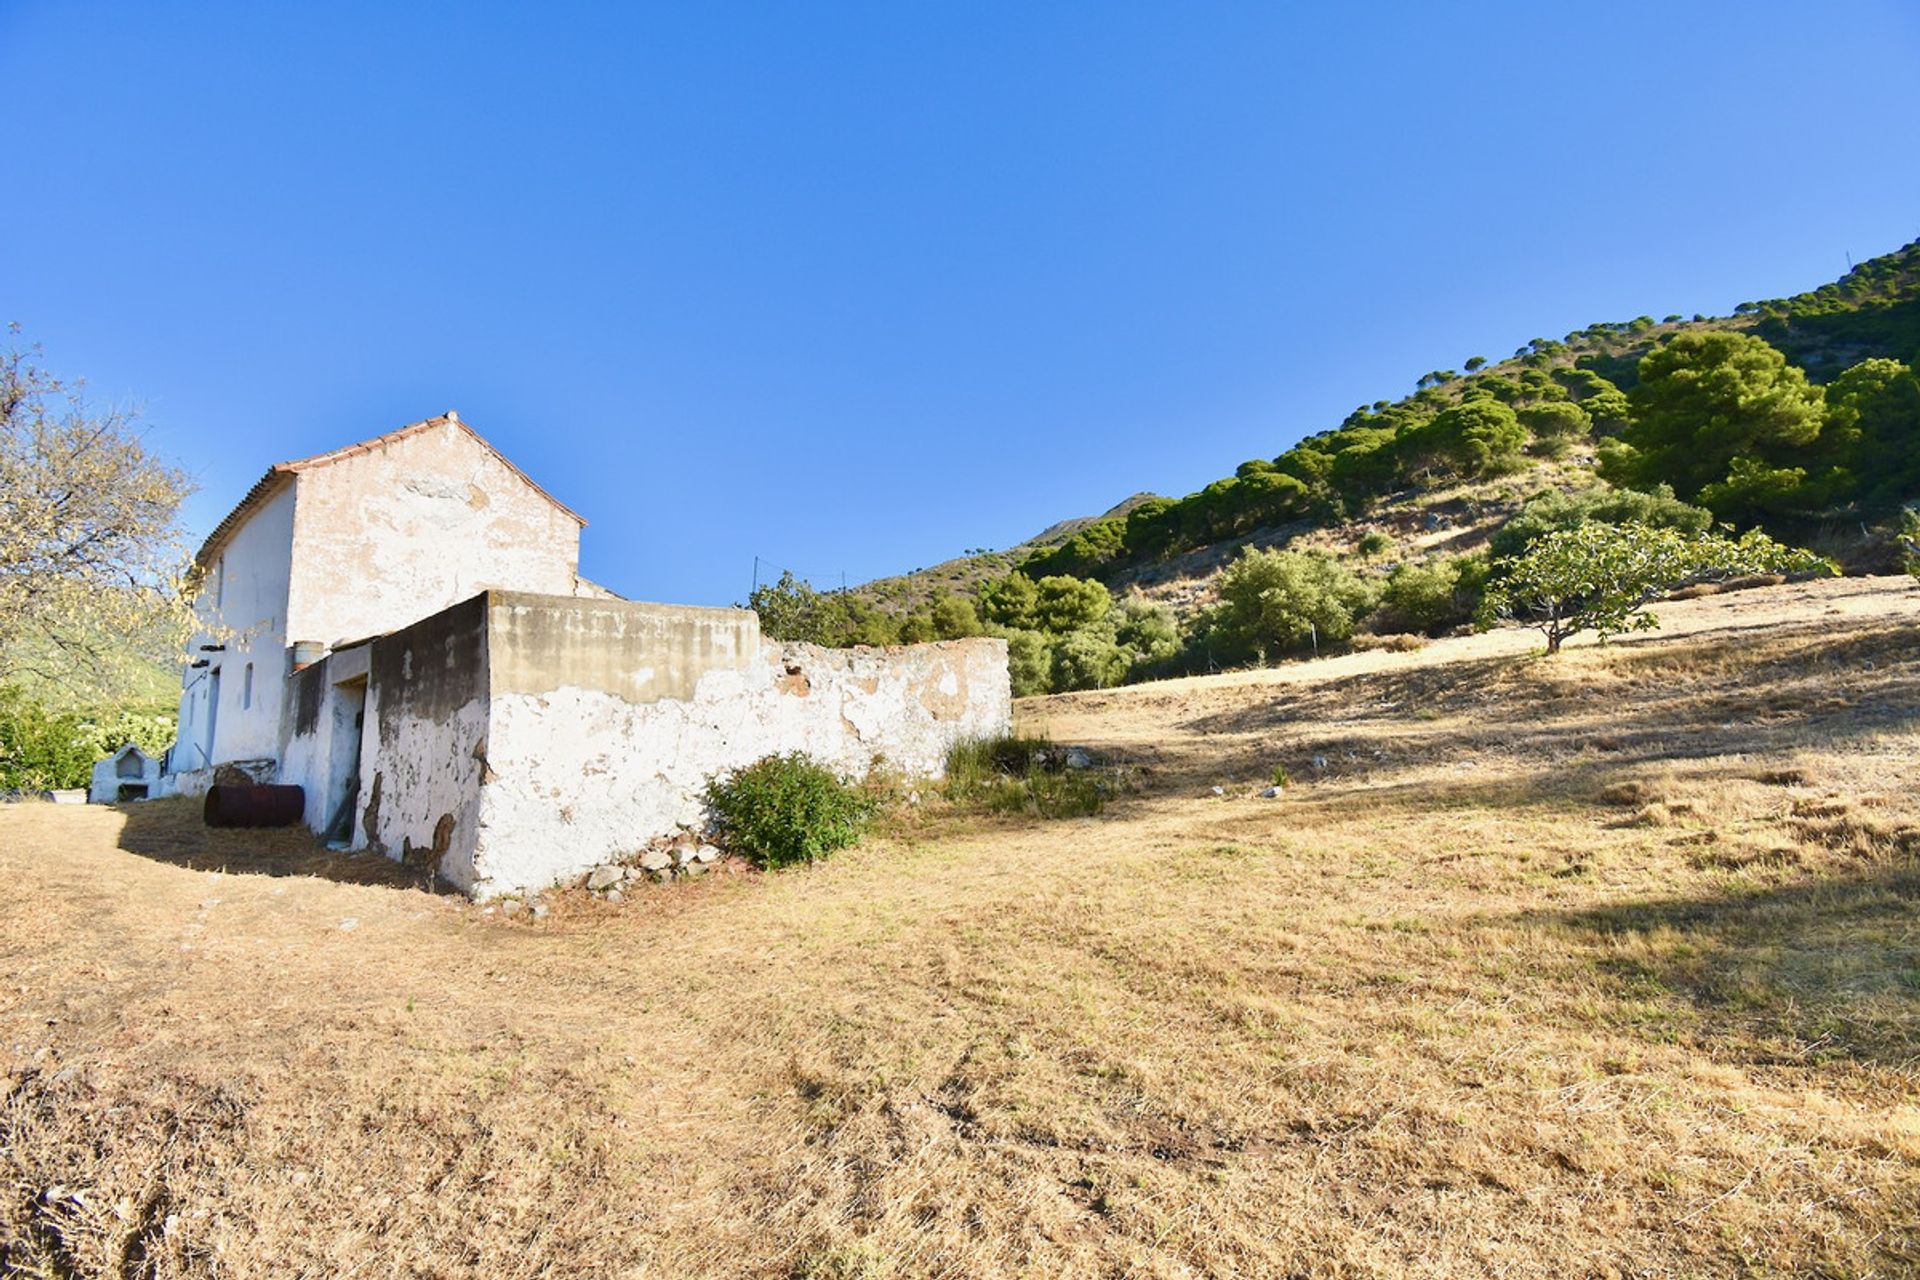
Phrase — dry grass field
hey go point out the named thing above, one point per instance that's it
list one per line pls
(1605, 965)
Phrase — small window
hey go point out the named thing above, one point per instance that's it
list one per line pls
(220, 583)
(246, 688)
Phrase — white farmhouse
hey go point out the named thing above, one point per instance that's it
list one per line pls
(333, 549)
(400, 628)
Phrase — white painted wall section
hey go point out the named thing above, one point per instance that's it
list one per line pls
(245, 591)
(597, 746)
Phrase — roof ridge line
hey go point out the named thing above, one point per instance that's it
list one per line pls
(266, 485)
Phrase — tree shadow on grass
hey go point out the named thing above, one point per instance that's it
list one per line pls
(1800, 692)
(1794, 669)
(1785, 976)
(173, 831)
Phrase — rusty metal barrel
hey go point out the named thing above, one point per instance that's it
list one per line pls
(254, 806)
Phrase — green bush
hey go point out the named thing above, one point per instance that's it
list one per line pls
(1021, 775)
(1089, 658)
(787, 809)
(955, 618)
(790, 609)
(1657, 508)
(45, 749)
(1557, 420)
(1430, 598)
(1029, 662)
(1067, 633)
(1280, 602)
(1475, 438)
(1066, 604)
(1148, 631)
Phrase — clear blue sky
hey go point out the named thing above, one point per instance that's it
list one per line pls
(854, 287)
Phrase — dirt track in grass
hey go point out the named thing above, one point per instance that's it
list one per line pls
(1604, 965)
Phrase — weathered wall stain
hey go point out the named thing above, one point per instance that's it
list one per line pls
(641, 652)
(310, 687)
(428, 671)
(414, 524)
(370, 818)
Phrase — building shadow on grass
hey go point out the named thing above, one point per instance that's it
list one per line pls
(1790, 975)
(173, 831)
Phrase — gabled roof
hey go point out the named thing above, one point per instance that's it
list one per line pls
(281, 474)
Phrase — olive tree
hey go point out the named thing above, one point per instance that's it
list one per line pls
(1600, 577)
(92, 557)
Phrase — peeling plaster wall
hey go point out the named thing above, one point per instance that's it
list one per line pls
(387, 537)
(245, 592)
(424, 760)
(608, 718)
(319, 736)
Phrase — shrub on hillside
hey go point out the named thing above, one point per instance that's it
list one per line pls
(1064, 604)
(1284, 602)
(1148, 631)
(1474, 438)
(1873, 418)
(787, 809)
(1705, 402)
(1056, 604)
(955, 618)
(1089, 658)
(1909, 538)
(1029, 662)
(1430, 599)
(1560, 419)
(790, 609)
(1373, 543)
(1657, 508)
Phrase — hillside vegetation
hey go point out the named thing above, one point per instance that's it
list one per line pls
(1800, 416)
(1600, 965)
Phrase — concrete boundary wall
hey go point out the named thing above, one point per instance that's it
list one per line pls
(607, 720)
(514, 741)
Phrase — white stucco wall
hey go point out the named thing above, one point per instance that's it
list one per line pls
(246, 592)
(606, 722)
(386, 537)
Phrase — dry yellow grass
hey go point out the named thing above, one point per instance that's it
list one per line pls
(1607, 965)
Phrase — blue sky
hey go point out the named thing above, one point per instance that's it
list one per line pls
(854, 287)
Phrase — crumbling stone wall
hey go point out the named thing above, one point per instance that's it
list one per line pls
(515, 741)
(607, 718)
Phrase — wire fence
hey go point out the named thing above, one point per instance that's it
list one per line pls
(772, 569)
